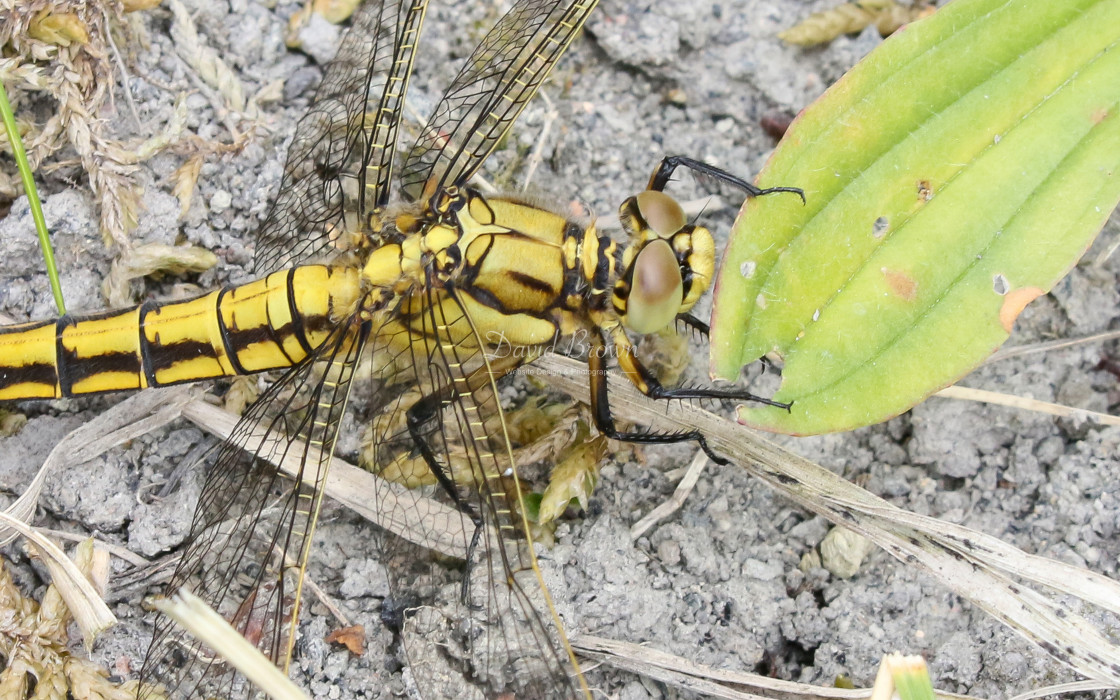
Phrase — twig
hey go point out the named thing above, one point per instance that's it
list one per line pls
(316, 590)
(1000, 399)
(115, 549)
(1032, 595)
(711, 682)
(195, 616)
(684, 488)
(1107, 253)
(125, 77)
(400, 510)
(1019, 350)
(538, 147)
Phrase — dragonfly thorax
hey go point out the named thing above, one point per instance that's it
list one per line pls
(512, 265)
(526, 274)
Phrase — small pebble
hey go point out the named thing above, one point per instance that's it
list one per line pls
(220, 201)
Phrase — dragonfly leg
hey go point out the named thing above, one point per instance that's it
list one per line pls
(427, 412)
(664, 172)
(701, 329)
(694, 324)
(647, 383)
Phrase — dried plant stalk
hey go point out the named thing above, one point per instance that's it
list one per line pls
(35, 645)
(62, 48)
(852, 17)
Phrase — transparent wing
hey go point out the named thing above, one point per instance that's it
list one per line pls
(488, 94)
(252, 528)
(491, 627)
(435, 420)
(340, 160)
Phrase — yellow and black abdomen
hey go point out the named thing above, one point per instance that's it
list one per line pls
(270, 323)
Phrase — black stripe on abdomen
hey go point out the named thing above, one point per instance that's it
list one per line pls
(74, 369)
(37, 373)
(161, 357)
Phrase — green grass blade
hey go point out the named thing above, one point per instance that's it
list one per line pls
(953, 176)
(905, 677)
(32, 197)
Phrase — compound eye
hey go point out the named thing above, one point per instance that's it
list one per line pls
(655, 298)
(661, 212)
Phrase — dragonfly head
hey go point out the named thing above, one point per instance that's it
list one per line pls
(666, 266)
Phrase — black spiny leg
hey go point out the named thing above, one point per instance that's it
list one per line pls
(601, 408)
(419, 413)
(644, 380)
(426, 410)
(701, 329)
(664, 172)
(694, 324)
(647, 383)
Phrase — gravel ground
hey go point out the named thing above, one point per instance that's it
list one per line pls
(718, 583)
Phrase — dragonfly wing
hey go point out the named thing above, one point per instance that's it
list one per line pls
(252, 528)
(495, 631)
(488, 94)
(339, 164)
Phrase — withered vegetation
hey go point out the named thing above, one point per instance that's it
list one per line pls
(65, 49)
(35, 656)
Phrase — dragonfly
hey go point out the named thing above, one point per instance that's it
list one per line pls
(389, 304)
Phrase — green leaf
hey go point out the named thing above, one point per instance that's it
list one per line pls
(953, 176)
(909, 677)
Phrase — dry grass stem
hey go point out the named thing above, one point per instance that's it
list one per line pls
(1039, 598)
(189, 612)
(400, 510)
(852, 17)
(144, 260)
(1001, 399)
(536, 155)
(116, 550)
(204, 60)
(680, 495)
(712, 682)
(1007, 352)
(1064, 689)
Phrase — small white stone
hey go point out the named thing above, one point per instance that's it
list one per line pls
(220, 201)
